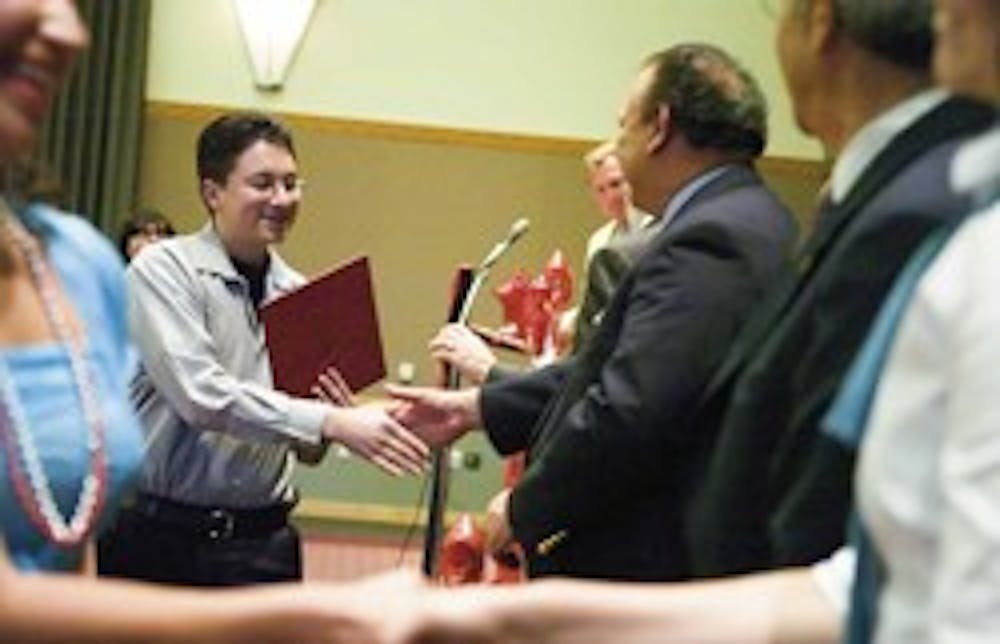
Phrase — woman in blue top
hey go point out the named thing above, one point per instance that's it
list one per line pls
(69, 437)
(69, 443)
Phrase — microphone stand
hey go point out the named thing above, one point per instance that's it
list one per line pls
(465, 288)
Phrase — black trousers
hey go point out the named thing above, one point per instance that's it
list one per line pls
(165, 550)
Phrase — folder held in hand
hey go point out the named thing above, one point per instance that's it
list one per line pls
(331, 320)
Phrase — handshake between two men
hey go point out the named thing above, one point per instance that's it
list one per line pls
(418, 417)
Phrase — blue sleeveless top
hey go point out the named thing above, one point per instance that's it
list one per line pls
(91, 275)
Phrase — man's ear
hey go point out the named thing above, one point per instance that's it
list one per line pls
(821, 25)
(211, 194)
(660, 129)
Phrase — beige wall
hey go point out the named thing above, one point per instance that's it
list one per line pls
(546, 67)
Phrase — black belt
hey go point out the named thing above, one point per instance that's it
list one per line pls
(213, 523)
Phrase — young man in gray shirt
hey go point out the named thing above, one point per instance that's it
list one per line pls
(215, 492)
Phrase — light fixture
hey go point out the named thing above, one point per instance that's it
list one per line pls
(273, 30)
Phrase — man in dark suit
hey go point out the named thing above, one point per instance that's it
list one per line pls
(777, 492)
(608, 445)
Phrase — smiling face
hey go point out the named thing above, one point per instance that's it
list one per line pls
(38, 41)
(256, 204)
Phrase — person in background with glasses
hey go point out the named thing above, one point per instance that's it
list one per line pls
(215, 491)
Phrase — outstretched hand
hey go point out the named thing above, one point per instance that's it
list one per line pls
(330, 387)
(462, 615)
(438, 416)
(371, 432)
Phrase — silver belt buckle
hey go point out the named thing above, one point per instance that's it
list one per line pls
(223, 524)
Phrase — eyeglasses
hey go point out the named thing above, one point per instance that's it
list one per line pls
(270, 185)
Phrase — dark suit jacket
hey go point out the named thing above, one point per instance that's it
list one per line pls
(777, 493)
(606, 270)
(604, 430)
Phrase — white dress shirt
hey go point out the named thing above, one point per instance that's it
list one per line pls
(834, 576)
(929, 474)
(868, 142)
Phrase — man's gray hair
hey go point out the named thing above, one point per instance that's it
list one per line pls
(899, 31)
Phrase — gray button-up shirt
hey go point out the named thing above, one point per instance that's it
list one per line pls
(217, 432)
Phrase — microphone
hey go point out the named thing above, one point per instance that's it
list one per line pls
(517, 230)
(465, 294)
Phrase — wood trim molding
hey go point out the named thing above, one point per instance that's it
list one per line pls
(387, 130)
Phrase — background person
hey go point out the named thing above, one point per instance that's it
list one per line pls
(611, 251)
(614, 247)
(146, 226)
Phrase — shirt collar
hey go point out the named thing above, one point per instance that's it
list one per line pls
(683, 196)
(208, 254)
(868, 142)
(976, 168)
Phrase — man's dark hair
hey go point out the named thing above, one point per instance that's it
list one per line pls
(713, 101)
(899, 31)
(224, 140)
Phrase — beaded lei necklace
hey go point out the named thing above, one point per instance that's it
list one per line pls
(24, 465)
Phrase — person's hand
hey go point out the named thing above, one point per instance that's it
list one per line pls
(395, 580)
(438, 416)
(457, 345)
(372, 433)
(332, 388)
(496, 524)
(462, 615)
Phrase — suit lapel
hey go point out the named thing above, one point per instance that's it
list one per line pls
(952, 119)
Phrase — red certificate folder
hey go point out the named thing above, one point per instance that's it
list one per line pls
(329, 321)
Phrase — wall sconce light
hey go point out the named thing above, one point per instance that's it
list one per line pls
(273, 30)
